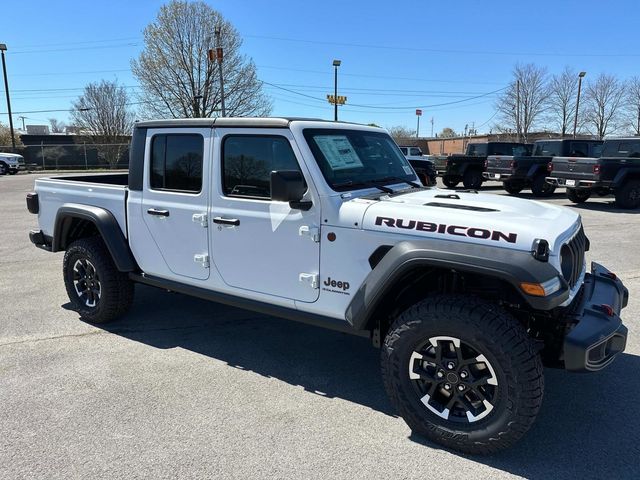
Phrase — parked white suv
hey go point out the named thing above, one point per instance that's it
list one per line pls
(11, 163)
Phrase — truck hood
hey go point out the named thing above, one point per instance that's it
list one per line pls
(480, 218)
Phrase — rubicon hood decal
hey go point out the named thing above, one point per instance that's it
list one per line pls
(459, 230)
(488, 219)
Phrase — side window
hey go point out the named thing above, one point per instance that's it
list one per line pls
(416, 151)
(247, 163)
(176, 162)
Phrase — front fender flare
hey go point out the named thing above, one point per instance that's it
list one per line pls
(508, 265)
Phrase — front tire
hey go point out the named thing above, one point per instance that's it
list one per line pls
(540, 187)
(97, 290)
(463, 373)
(472, 179)
(628, 196)
(578, 195)
(450, 182)
(513, 188)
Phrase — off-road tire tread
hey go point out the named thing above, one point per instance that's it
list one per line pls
(622, 195)
(117, 289)
(506, 335)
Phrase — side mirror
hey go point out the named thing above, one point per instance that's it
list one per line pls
(289, 186)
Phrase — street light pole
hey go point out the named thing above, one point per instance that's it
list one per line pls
(3, 48)
(336, 64)
(575, 120)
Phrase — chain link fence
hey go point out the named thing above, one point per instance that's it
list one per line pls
(73, 156)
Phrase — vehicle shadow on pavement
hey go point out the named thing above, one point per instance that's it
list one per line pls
(587, 427)
(324, 362)
(606, 206)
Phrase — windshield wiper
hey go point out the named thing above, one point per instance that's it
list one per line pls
(398, 179)
(351, 183)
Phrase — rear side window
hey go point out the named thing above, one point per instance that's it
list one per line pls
(478, 150)
(176, 162)
(547, 149)
(248, 160)
(415, 151)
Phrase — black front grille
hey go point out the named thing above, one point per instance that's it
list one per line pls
(572, 257)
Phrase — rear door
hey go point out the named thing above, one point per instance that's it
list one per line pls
(175, 199)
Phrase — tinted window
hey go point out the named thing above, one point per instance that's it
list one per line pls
(522, 151)
(618, 148)
(249, 160)
(404, 150)
(478, 150)
(415, 151)
(176, 162)
(547, 149)
(504, 148)
(578, 149)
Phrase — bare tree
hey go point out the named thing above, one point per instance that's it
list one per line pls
(401, 133)
(633, 104)
(103, 115)
(561, 104)
(524, 99)
(603, 104)
(447, 132)
(56, 125)
(5, 137)
(176, 76)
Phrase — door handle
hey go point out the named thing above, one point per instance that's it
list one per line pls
(226, 221)
(158, 213)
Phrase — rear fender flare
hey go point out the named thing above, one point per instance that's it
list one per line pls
(105, 223)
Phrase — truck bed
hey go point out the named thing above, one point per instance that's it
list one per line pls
(108, 191)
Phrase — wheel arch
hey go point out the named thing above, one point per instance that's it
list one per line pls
(412, 269)
(624, 174)
(80, 221)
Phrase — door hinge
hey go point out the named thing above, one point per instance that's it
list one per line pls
(310, 278)
(312, 232)
(202, 258)
(200, 218)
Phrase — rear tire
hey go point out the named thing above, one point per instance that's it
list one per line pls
(578, 195)
(513, 188)
(628, 196)
(438, 343)
(472, 179)
(3, 169)
(97, 290)
(450, 182)
(541, 188)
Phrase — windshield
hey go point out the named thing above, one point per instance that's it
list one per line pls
(354, 158)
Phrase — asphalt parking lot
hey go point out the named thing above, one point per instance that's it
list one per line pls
(182, 388)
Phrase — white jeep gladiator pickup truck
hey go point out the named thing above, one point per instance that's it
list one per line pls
(466, 294)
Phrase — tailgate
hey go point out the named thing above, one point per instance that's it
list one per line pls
(499, 163)
(575, 168)
(440, 162)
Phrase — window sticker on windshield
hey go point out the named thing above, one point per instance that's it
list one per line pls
(338, 151)
(407, 169)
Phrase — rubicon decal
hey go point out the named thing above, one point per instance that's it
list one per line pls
(458, 230)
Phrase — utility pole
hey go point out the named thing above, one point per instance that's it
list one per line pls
(575, 120)
(3, 48)
(219, 55)
(431, 127)
(518, 110)
(22, 118)
(336, 64)
(418, 114)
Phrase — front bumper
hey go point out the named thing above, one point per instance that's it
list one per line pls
(599, 334)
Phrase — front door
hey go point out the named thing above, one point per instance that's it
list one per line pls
(175, 200)
(258, 244)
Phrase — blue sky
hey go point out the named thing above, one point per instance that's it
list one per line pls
(396, 56)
